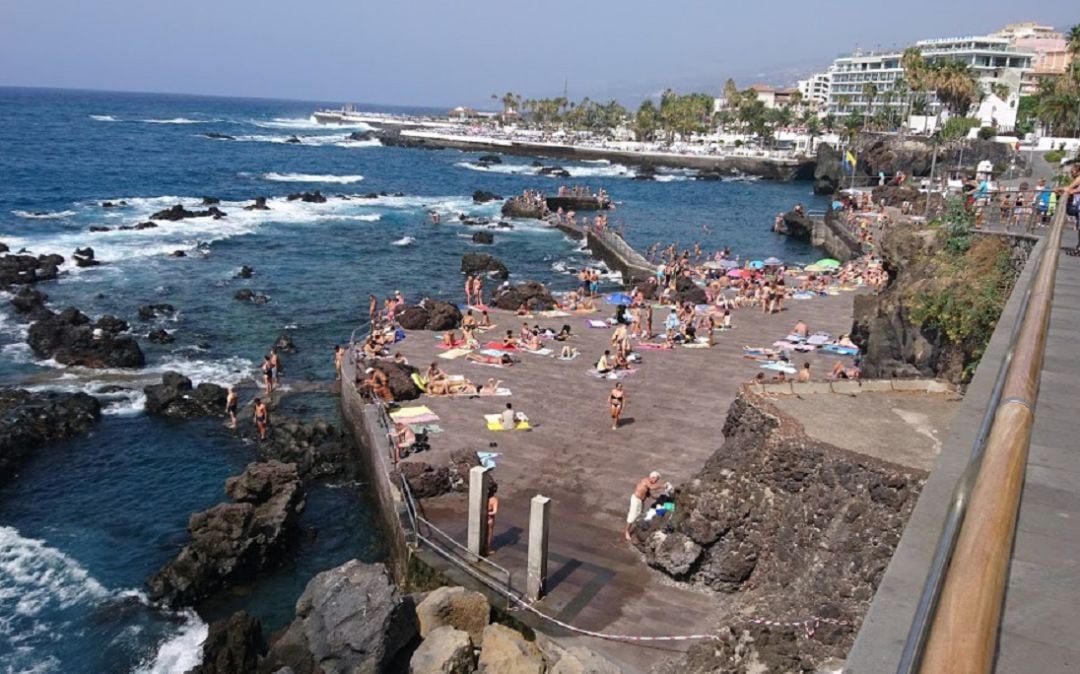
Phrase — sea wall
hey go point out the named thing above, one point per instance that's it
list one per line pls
(825, 232)
(767, 168)
(789, 529)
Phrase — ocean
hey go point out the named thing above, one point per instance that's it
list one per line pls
(86, 522)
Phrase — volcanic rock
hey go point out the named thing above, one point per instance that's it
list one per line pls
(30, 420)
(218, 136)
(504, 650)
(315, 197)
(482, 197)
(145, 225)
(23, 269)
(479, 263)
(210, 201)
(69, 338)
(111, 324)
(245, 272)
(284, 343)
(84, 257)
(160, 336)
(454, 607)
(175, 397)
(349, 619)
(99, 228)
(258, 205)
(688, 291)
(232, 645)
(318, 449)
(178, 212)
(360, 136)
(148, 312)
(532, 294)
(292, 139)
(490, 159)
(486, 238)
(234, 542)
(444, 651)
(30, 303)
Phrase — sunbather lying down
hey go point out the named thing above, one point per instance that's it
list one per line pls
(485, 359)
(451, 386)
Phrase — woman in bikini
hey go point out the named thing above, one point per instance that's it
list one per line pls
(510, 342)
(485, 320)
(491, 387)
(436, 383)
(616, 400)
(468, 290)
(492, 510)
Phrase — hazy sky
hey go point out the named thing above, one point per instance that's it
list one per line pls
(444, 52)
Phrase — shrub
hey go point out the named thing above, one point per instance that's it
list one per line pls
(956, 128)
(1054, 156)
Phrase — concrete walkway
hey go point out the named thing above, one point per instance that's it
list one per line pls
(1042, 605)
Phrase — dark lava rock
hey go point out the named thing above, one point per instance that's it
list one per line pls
(258, 205)
(688, 291)
(149, 312)
(709, 176)
(244, 295)
(520, 208)
(349, 619)
(557, 171)
(798, 226)
(30, 303)
(161, 336)
(145, 225)
(482, 197)
(178, 253)
(30, 420)
(175, 397)
(234, 542)
(233, 646)
(72, 340)
(400, 379)
(361, 135)
(23, 269)
(486, 238)
(178, 212)
(646, 172)
(245, 272)
(292, 139)
(427, 480)
(429, 315)
(218, 136)
(490, 159)
(315, 197)
(479, 263)
(4, 247)
(532, 294)
(113, 204)
(84, 257)
(99, 228)
(285, 344)
(210, 201)
(318, 449)
(260, 299)
(111, 324)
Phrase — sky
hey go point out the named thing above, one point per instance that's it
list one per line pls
(450, 52)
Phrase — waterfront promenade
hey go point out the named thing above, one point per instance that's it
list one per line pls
(677, 403)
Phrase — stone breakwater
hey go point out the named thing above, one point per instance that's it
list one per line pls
(769, 168)
(789, 528)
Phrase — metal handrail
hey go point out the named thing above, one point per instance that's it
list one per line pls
(941, 571)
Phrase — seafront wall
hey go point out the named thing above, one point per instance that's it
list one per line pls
(765, 167)
(834, 238)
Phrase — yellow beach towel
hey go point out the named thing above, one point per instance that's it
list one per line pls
(494, 423)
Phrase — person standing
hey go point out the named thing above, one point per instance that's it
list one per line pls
(231, 400)
(262, 417)
(373, 310)
(469, 290)
(268, 376)
(643, 490)
(339, 361)
(616, 400)
(275, 366)
(492, 510)
(478, 290)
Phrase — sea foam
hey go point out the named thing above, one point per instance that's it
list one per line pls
(311, 178)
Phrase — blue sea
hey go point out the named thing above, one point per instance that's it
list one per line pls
(86, 522)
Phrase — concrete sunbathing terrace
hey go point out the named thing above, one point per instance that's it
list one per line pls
(676, 405)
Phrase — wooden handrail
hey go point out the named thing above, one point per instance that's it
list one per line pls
(963, 635)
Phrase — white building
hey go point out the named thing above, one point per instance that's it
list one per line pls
(993, 111)
(993, 60)
(815, 89)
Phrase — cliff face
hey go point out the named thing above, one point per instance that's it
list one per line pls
(937, 314)
(793, 529)
(887, 153)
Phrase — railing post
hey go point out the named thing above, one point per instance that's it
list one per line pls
(479, 481)
(539, 514)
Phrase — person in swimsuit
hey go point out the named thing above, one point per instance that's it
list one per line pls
(468, 321)
(468, 290)
(804, 374)
(616, 400)
(492, 511)
(261, 417)
(643, 490)
(231, 401)
(275, 366)
(604, 365)
(268, 375)
(491, 387)
(339, 361)
(510, 341)
(485, 320)
(478, 290)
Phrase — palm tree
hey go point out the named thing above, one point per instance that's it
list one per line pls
(954, 86)
(1073, 40)
(869, 92)
(1055, 111)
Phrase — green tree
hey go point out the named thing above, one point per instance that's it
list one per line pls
(955, 86)
(646, 121)
(869, 92)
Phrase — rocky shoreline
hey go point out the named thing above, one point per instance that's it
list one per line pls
(28, 421)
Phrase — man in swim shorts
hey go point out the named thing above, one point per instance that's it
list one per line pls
(644, 489)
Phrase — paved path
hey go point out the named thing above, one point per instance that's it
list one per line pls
(677, 402)
(1039, 630)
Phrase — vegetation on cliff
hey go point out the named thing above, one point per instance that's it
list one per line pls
(948, 288)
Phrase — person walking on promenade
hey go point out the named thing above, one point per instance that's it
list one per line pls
(492, 510)
(643, 490)
(262, 417)
(616, 400)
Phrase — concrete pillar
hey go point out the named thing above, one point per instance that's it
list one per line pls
(479, 480)
(539, 516)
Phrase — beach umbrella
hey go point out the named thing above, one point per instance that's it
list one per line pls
(756, 264)
(729, 264)
(828, 263)
(735, 273)
(815, 268)
(619, 298)
(712, 265)
(773, 262)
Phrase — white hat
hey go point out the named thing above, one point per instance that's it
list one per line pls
(654, 475)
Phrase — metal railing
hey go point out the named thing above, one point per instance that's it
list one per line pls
(957, 618)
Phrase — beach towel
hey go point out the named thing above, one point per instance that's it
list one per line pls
(696, 345)
(802, 296)
(779, 367)
(783, 344)
(428, 428)
(649, 346)
(421, 419)
(757, 351)
(593, 323)
(572, 356)
(840, 350)
(818, 339)
(494, 423)
(498, 346)
(794, 338)
(457, 345)
(403, 413)
(616, 374)
(805, 348)
(487, 459)
(540, 352)
(454, 353)
(554, 313)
